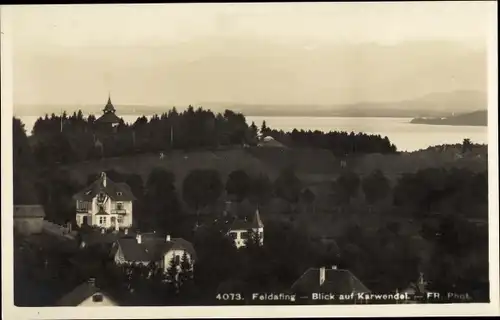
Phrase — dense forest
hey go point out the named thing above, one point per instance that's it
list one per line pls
(65, 139)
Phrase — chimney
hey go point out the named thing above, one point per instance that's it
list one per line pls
(322, 275)
(103, 176)
(92, 281)
(126, 231)
(168, 238)
(139, 238)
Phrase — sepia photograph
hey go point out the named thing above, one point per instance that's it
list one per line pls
(210, 159)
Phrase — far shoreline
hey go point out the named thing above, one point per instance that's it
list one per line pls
(246, 115)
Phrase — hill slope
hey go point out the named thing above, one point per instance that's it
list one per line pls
(477, 118)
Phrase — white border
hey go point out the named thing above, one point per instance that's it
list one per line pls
(9, 311)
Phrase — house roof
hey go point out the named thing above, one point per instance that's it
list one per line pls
(152, 248)
(117, 191)
(97, 237)
(255, 223)
(337, 281)
(29, 211)
(271, 143)
(80, 294)
(109, 117)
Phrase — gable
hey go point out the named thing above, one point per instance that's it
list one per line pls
(337, 281)
(115, 191)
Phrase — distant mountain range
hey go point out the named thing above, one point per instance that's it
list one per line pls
(477, 118)
(431, 105)
(436, 105)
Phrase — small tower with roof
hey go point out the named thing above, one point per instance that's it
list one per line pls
(109, 118)
(109, 108)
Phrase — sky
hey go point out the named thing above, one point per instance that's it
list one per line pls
(282, 53)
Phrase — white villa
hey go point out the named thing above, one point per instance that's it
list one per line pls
(150, 248)
(241, 230)
(105, 204)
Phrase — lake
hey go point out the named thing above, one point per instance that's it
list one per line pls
(406, 136)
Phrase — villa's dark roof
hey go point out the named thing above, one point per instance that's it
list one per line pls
(337, 281)
(255, 223)
(29, 211)
(108, 117)
(152, 248)
(116, 191)
(80, 294)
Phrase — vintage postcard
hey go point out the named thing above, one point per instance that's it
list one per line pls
(249, 160)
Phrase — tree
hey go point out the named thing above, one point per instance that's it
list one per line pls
(202, 187)
(261, 189)
(346, 186)
(56, 188)
(309, 197)
(288, 187)
(238, 184)
(186, 269)
(160, 199)
(466, 145)
(253, 134)
(264, 130)
(375, 187)
(172, 276)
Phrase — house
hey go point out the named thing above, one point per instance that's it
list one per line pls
(109, 119)
(330, 281)
(87, 295)
(416, 290)
(270, 142)
(105, 204)
(150, 248)
(28, 219)
(241, 230)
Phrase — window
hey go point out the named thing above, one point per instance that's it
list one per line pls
(102, 220)
(244, 235)
(119, 206)
(120, 220)
(97, 297)
(233, 235)
(177, 259)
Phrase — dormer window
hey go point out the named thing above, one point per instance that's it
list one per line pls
(119, 193)
(88, 192)
(97, 297)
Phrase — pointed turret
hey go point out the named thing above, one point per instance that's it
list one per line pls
(257, 221)
(109, 106)
(109, 117)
